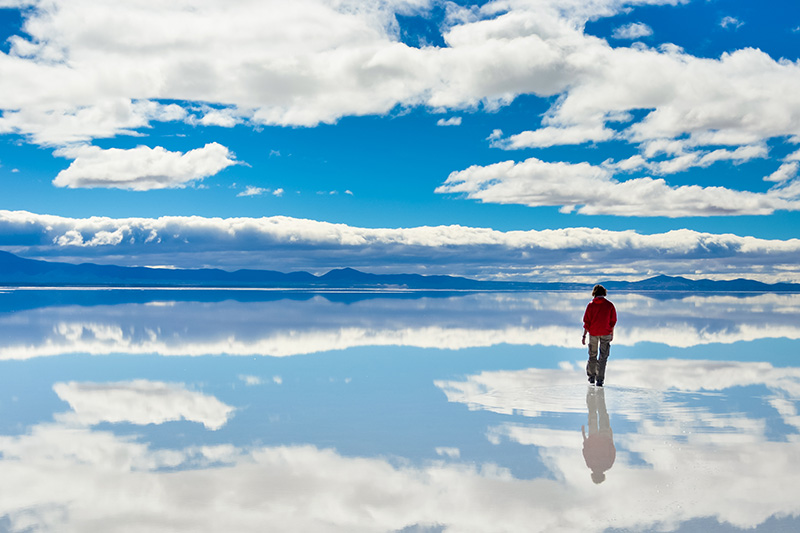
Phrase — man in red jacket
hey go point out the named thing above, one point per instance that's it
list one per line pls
(599, 321)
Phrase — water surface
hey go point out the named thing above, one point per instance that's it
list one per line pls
(133, 410)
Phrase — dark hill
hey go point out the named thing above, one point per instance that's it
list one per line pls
(17, 271)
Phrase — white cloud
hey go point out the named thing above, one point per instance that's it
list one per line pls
(251, 381)
(593, 190)
(634, 30)
(141, 168)
(447, 451)
(452, 121)
(786, 172)
(250, 190)
(226, 118)
(79, 73)
(553, 136)
(286, 244)
(496, 135)
(278, 192)
(681, 157)
(731, 22)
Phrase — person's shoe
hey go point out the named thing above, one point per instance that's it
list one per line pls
(599, 382)
(591, 379)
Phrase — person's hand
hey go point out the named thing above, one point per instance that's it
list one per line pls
(583, 339)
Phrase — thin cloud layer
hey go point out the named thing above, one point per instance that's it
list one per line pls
(285, 244)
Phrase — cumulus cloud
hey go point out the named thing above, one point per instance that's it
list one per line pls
(452, 121)
(141, 168)
(731, 22)
(251, 190)
(634, 30)
(553, 136)
(251, 381)
(226, 118)
(593, 190)
(77, 73)
(285, 244)
(786, 172)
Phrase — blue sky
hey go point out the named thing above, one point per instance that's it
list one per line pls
(526, 139)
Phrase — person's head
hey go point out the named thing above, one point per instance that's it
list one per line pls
(599, 290)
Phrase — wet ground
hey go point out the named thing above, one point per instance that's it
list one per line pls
(202, 411)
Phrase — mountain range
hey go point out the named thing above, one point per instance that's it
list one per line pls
(16, 271)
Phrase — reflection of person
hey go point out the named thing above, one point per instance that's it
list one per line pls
(599, 321)
(598, 448)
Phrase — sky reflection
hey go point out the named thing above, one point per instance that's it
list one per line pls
(394, 432)
(284, 327)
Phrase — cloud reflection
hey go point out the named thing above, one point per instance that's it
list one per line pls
(678, 458)
(139, 402)
(644, 385)
(285, 327)
(661, 478)
(683, 460)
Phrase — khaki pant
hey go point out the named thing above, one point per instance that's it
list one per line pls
(596, 366)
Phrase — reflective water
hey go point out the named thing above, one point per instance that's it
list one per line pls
(197, 411)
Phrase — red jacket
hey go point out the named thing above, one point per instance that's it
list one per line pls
(600, 317)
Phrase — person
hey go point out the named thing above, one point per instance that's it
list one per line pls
(599, 320)
(599, 451)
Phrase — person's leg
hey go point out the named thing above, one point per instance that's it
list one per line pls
(591, 364)
(605, 350)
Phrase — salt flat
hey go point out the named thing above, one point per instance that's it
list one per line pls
(240, 411)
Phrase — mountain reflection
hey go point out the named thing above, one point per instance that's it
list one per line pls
(205, 323)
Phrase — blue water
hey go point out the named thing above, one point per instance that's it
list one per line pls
(130, 410)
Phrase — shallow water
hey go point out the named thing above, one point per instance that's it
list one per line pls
(132, 410)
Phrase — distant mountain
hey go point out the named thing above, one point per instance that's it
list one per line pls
(17, 271)
(669, 283)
